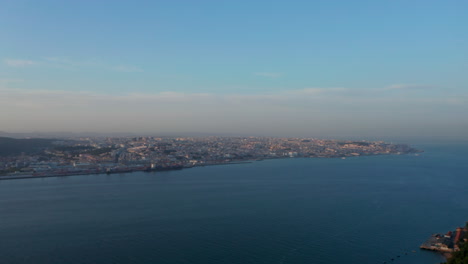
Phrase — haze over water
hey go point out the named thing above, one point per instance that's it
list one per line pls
(357, 210)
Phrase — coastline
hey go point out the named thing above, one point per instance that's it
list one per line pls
(308, 170)
(449, 244)
(28, 176)
(20, 177)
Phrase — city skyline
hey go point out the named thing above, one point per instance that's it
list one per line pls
(319, 69)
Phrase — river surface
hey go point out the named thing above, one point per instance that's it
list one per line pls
(357, 210)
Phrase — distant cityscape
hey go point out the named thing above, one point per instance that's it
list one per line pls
(93, 155)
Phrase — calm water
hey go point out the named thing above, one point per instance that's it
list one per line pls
(358, 210)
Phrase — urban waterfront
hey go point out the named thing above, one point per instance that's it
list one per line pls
(77, 156)
(357, 210)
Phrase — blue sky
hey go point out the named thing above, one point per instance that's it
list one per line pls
(308, 68)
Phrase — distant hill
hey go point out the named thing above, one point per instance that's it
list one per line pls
(13, 146)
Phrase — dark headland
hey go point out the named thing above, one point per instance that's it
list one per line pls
(454, 245)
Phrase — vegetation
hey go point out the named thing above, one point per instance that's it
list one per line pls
(84, 150)
(73, 148)
(99, 151)
(13, 146)
(358, 143)
(460, 257)
(6, 171)
(169, 151)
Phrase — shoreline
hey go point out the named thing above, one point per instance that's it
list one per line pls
(20, 177)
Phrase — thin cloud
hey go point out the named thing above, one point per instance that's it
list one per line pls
(290, 97)
(19, 63)
(408, 87)
(5, 81)
(127, 68)
(70, 64)
(269, 74)
(61, 62)
(318, 91)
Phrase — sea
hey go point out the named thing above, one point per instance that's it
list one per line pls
(298, 210)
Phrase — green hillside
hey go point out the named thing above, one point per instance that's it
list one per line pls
(13, 146)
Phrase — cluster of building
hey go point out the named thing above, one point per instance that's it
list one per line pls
(449, 242)
(111, 155)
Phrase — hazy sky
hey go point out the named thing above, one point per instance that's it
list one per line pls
(289, 68)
